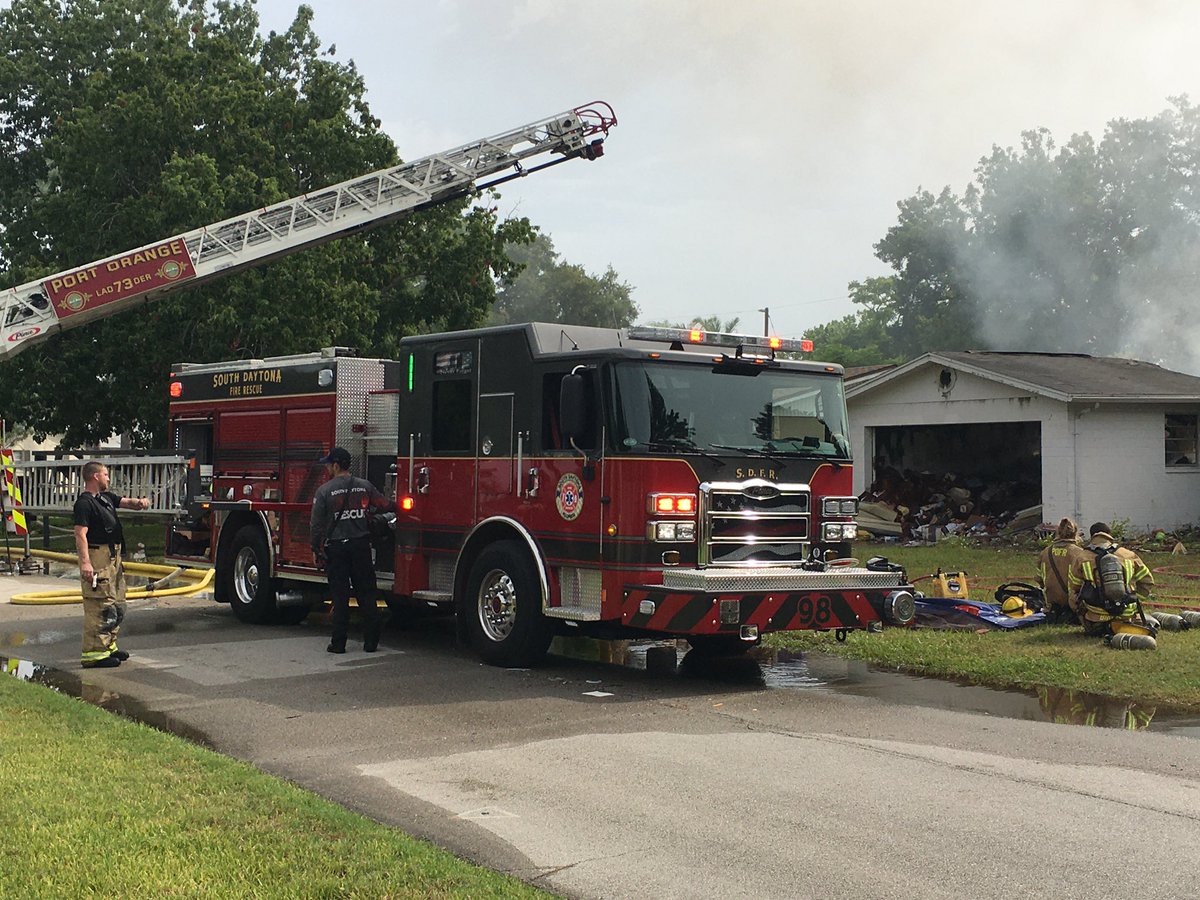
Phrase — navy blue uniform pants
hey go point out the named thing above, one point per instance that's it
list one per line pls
(348, 563)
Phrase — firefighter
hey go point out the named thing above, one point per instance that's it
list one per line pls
(1054, 564)
(341, 543)
(100, 543)
(1107, 585)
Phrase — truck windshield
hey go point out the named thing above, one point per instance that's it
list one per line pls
(692, 407)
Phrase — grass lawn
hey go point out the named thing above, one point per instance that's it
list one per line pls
(1055, 656)
(97, 806)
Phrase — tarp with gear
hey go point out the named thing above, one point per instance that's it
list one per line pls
(1017, 605)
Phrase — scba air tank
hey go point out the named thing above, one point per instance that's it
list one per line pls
(1112, 580)
(1126, 641)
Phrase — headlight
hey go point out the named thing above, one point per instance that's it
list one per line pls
(850, 507)
(839, 531)
(671, 531)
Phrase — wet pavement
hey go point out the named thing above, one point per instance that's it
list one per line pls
(760, 668)
(637, 769)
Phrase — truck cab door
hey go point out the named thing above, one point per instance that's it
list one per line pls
(494, 450)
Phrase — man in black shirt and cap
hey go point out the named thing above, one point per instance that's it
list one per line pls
(100, 543)
(341, 540)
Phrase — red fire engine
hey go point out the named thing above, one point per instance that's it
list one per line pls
(640, 482)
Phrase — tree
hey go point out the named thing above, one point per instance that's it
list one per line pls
(863, 338)
(1092, 246)
(549, 290)
(126, 121)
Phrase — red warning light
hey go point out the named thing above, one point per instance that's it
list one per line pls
(806, 346)
(406, 503)
(696, 335)
(775, 343)
(176, 389)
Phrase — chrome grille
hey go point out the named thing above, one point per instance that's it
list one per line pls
(754, 523)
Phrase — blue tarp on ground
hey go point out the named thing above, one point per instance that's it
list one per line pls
(956, 612)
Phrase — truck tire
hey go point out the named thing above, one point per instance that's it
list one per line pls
(720, 644)
(246, 578)
(503, 606)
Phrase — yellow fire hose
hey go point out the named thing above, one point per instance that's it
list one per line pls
(199, 580)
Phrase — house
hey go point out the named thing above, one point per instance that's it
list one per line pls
(1100, 438)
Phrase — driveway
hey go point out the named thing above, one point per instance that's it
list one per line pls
(599, 779)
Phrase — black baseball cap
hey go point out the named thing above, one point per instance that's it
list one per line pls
(338, 456)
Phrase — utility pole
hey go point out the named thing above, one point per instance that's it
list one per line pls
(766, 311)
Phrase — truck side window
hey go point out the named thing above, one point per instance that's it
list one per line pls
(452, 415)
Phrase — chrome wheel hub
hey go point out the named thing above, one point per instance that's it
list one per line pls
(497, 605)
(245, 575)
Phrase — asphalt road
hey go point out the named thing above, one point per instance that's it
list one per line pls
(593, 779)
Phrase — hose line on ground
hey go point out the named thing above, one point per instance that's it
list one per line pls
(200, 579)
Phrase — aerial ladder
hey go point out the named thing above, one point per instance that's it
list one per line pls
(35, 311)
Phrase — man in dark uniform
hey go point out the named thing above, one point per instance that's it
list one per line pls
(100, 543)
(341, 541)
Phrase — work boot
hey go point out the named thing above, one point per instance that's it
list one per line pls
(109, 662)
(336, 646)
(122, 655)
(371, 640)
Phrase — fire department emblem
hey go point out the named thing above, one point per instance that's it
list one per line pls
(170, 270)
(568, 497)
(75, 301)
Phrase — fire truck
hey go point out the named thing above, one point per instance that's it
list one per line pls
(547, 478)
(641, 482)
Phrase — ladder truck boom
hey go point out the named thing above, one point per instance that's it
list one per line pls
(35, 311)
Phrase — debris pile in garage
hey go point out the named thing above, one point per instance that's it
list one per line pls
(925, 506)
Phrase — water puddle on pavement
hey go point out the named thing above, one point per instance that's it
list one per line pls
(78, 685)
(789, 670)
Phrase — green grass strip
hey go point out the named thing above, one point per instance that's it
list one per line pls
(94, 805)
(1044, 655)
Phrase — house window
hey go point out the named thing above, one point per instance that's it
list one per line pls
(1180, 440)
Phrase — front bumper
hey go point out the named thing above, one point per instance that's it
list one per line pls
(728, 600)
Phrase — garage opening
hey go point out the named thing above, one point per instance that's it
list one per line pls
(976, 476)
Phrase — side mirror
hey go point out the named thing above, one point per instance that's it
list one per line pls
(573, 412)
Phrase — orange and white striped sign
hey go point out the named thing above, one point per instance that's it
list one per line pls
(14, 516)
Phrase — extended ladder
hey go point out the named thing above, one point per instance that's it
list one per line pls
(34, 311)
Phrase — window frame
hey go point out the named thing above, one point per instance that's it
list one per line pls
(1185, 446)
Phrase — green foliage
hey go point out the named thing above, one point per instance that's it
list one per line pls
(169, 819)
(863, 338)
(123, 122)
(1090, 246)
(550, 290)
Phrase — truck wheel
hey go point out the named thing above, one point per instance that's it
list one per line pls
(247, 577)
(503, 607)
(720, 644)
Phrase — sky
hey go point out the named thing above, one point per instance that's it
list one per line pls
(762, 145)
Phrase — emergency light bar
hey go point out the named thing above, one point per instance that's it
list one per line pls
(699, 336)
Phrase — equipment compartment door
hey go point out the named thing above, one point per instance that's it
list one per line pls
(494, 452)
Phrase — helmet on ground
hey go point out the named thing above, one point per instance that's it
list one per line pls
(1015, 608)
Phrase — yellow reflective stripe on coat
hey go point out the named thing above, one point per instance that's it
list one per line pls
(95, 655)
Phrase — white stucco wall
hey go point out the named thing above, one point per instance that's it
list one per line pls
(1123, 472)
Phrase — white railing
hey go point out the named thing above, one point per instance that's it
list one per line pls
(53, 485)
